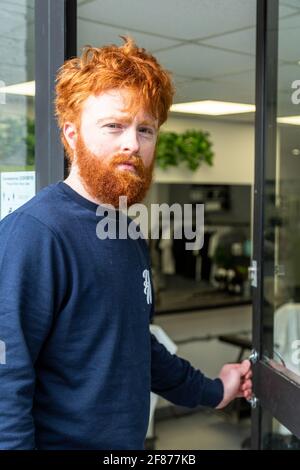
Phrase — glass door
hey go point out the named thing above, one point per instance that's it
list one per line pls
(276, 232)
(17, 114)
(36, 38)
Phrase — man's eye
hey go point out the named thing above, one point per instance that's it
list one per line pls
(146, 130)
(113, 125)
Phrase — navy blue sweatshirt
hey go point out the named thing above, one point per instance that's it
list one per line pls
(77, 360)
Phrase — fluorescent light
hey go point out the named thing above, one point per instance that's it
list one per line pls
(213, 108)
(294, 120)
(26, 88)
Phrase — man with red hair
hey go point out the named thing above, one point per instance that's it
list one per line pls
(75, 309)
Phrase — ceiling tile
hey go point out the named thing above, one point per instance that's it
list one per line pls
(203, 62)
(287, 74)
(289, 38)
(290, 3)
(13, 74)
(81, 2)
(286, 11)
(246, 77)
(12, 22)
(98, 35)
(15, 19)
(214, 90)
(240, 41)
(17, 3)
(185, 19)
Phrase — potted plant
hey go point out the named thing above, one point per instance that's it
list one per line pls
(192, 147)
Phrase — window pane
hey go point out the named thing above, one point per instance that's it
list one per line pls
(16, 104)
(282, 209)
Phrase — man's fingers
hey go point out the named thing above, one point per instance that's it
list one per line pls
(247, 394)
(245, 367)
(244, 394)
(248, 375)
(246, 385)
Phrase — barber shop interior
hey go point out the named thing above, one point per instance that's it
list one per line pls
(230, 146)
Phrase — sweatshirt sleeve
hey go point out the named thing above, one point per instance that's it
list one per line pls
(176, 380)
(31, 264)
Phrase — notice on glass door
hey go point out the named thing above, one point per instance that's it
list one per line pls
(17, 187)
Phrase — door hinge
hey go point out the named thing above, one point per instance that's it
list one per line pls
(253, 401)
(253, 357)
(252, 271)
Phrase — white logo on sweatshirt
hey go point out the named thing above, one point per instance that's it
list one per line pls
(2, 352)
(147, 286)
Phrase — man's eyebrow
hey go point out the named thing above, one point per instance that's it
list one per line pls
(113, 118)
(146, 122)
(149, 123)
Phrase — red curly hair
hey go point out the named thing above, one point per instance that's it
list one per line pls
(101, 69)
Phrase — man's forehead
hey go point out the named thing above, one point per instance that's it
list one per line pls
(115, 103)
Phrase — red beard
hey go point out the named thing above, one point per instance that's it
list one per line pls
(106, 183)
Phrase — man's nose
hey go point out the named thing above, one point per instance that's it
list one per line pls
(130, 142)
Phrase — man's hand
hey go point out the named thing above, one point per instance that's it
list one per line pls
(237, 382)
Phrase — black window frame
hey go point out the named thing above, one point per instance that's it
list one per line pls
(55, 41)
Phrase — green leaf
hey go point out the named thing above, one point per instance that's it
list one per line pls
(191, 147)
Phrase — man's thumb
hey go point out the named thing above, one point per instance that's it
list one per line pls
(245, 366)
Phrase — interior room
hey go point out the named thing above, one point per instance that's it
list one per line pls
(205, 158)
(209, 47)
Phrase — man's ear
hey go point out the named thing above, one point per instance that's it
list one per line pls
(70, 133)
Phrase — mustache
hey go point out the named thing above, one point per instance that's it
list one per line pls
(121, 158)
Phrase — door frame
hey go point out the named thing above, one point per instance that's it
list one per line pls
(55, 41)
(277, 393)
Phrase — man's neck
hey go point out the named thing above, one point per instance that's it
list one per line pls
(74, 181)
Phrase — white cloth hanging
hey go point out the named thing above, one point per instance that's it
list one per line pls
(287, 340)
(164, 339)
(167, 258)
(287, 334)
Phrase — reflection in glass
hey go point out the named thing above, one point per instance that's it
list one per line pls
(282, 213)
(279, 437)
(16, 103)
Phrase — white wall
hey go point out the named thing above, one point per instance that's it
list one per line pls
(233, 145)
